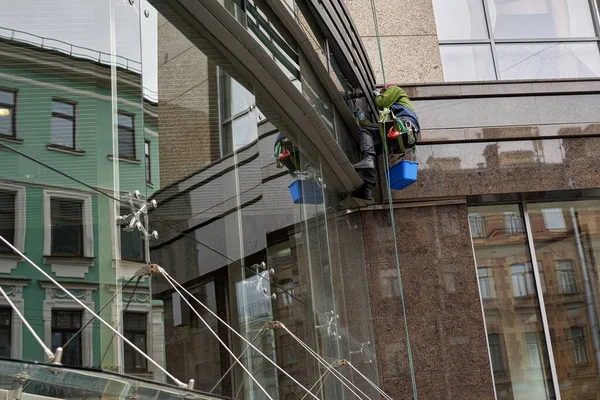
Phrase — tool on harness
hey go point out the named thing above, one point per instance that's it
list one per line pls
(287, 156)
(401, 134)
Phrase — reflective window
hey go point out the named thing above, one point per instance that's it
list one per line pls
(132, 243)
(67, 227)
(520, 31)
(63, 124)
(148, 161)
(65, 328)
(7, 113)
(5, 331)
(7, 219)
(126, 136)
(134, 329)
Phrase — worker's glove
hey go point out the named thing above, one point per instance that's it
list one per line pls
(376, 93)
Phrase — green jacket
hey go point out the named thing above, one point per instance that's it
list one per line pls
(393, 95)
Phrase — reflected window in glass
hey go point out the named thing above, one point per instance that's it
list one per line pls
(63, 131)
(554, 219)
(566, 280)
(487, 286)
(148, 161)
(67, 227)
(513, 223)
(8, 116)
(522, 280)
(65, 326)
(126, 135)
(7, 219)
(134, 329)
(495, 342)
(5, 332)
(576, 335)
(477, 225)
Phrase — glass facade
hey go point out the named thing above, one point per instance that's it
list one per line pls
(546, 305)
(523, 39)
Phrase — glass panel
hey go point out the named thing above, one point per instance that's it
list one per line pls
(62, 131)
(568, 257)
(467, 63)
(548, 60)
(526, 19)
(63, 108)
(511, 309)
(7, 113)
(460, 19)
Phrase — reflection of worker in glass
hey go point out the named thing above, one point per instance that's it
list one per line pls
(532, 19)
(287, 155)
(369, 136)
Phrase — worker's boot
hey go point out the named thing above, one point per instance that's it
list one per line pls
(368, 162)
(364, 193)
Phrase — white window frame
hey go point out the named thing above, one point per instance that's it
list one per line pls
(16, 325)
(55, 301)
(549, 213)
(8, 262)
(72, 267)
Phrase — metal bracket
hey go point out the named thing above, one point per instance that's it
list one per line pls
(331, 325)
(134, 220)
(260, 270)
(362, 352)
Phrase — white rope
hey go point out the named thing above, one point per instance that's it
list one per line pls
(381, 392)
(166, 275)
(109, 326)
(48, 352)
(323, 377)
(323, 362)
(238, 359)
(171, 280)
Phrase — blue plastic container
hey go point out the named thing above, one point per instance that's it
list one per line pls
(403, 174)
(306, 192)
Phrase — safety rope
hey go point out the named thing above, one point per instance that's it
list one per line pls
(370, 382)
(389, 193)
(84, 306)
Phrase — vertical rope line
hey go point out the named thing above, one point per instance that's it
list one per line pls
(378, 40)
(389, 192)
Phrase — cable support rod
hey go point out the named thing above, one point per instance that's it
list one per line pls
(109, 326)
(171, 280)
(323, 362)
(370, 382)
(262, 330)
(321, 379)
(48, 352)
(166, 275)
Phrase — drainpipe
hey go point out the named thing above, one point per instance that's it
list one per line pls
(588, 289)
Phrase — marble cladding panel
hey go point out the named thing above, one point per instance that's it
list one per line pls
(460, 169)
(443, 310)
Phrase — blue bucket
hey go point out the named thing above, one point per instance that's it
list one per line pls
(306, 192)
(403, 174)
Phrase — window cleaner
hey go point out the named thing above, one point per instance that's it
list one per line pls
(398, 124)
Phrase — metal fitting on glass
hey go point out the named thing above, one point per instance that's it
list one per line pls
(331, 325)
(362, 352)
(134, 220)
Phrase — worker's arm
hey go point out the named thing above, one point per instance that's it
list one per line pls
(390, 96)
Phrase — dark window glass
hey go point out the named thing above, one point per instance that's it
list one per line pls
(7, 219)
(132, 243)
(5, 332)
(63, 124)
(126, 136)
(135, 330)
(7, 113)
(147, 161)
(65, 324)
(67, 227)
(496, 352)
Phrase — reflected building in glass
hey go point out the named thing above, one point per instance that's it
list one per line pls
(184, 168)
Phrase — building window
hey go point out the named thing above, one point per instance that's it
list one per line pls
(554, 219)
(566, 280)
(126, 136)
(495, 343)
(8, 116)
(513, 223)
(135, 330)
(62, 130)
(576, 335)
(5, 332)
(499, 39)
(477, 224)
(147, 161)
(66, 216)
(65, 324)
(7, 219)
(522, 280)
(132, 243)
(535, 350)
(487, 286)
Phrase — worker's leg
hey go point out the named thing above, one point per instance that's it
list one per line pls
(369, 140)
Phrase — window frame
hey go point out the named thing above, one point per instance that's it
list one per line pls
(8, 328)
(65, 331)
(491, 41)
(13, 112)
(130, 130)
(72, 118)
(129, 349)
(148, 161)
(59, 218)
(20, 217)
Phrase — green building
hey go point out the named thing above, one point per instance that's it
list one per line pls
(59, 112)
